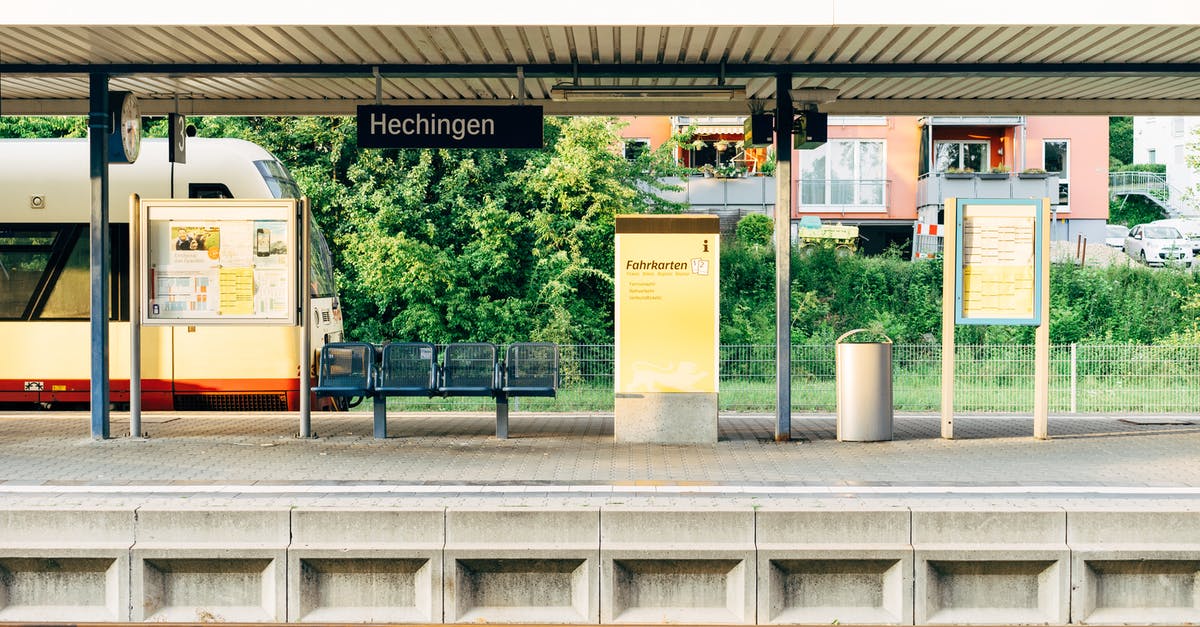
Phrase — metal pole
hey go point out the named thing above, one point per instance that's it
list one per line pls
(305, 325)
(99, 126)
(135, 317)
(783, 257)
(1074, 378)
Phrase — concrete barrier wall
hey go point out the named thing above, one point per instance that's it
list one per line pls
(588, 565)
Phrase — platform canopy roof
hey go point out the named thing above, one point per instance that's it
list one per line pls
(849, 56)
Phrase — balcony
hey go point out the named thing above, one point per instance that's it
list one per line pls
(933, 189)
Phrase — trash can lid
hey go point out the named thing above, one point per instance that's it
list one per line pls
(847, 334)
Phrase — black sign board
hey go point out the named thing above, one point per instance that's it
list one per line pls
(177, 132)
(465, 126)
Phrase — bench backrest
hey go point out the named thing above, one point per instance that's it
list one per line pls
(408, 367)
(348, 366)
(469, 367)
(531, 366)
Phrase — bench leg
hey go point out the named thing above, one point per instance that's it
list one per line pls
(502, 416)
(380, 417)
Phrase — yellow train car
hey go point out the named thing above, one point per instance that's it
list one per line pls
(45, 206)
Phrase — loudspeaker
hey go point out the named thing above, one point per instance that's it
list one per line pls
(811, 130)
(759, 130)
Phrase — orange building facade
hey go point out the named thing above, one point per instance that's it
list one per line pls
(884, 174)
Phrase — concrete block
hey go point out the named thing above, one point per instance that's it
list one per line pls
(366, 566)
(364, 586)
(1027, 529)
(1135, 566)
(1131, 530)
(61, 528)
(674, 418)
(210, 566)
(843, 567)
(991, 567)
(981, 588)
(65, 565)
(213, 528)
(520, 566)
(1136, 587)
(189, 586)
(57, 588)
(678, 566)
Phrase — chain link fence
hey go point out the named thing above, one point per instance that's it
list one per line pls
(1084, 378)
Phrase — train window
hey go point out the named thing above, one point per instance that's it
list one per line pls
(70, 295)
(21, 273)
(208, 190)
(45, 272)
(278, 179)
(321, 266)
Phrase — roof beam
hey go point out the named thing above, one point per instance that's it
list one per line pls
(613, 70)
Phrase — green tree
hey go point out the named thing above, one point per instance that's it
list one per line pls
(37, 127)
(1120, 140)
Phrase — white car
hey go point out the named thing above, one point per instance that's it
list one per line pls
(1156, 245)
(1114, 235)
(1189, 227)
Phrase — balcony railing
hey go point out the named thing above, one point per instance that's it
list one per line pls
(843, 195)
(933, 189)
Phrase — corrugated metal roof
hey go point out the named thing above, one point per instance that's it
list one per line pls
(875, 69)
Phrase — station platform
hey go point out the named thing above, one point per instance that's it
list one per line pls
(232, 517)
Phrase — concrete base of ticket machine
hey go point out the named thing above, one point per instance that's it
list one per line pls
(666, 418)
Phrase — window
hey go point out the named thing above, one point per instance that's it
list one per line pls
(843, 172)
(278, 179)
(1177, 127)
(1056, 158)
(635, 148)
(45, 272)
(961, 155)
(1153, 157)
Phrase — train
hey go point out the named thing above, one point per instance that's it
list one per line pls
(45, 207)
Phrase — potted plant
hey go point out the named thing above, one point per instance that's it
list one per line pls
(1033, 173)
(959, 173)
(995, 172)
(729, 171)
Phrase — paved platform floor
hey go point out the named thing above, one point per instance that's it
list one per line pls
(49, 458)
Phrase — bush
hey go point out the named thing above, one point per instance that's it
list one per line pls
(1157, 168)
(755, 228)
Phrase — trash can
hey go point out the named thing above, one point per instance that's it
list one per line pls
(864, 389)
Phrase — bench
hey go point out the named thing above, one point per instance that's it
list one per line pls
(361, 370)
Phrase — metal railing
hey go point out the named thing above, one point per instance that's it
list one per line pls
(1084, 378)
(1153, 186)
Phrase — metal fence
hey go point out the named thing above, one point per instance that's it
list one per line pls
(1084, 378)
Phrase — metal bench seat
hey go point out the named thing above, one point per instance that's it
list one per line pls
(469, 369)
(347, 369)
(408, 369)
(531, 369)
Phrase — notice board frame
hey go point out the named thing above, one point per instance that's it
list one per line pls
(1033, 208)
(244, 216)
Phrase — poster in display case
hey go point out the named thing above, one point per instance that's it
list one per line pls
(219, 261)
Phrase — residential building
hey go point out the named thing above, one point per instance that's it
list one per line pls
(1165, 140)
(886, 173)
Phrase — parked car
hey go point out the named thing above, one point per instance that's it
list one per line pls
(1189, 228)
(1156, 245)
(1114, 235)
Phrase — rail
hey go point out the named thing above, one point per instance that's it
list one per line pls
(1154, 187)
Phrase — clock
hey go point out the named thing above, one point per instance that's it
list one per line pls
(126, 138)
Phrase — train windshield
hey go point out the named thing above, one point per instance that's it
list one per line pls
(321, 266)
(278, 179)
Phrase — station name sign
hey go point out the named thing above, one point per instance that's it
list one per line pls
(455, 126)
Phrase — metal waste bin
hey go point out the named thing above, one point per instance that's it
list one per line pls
(864, 389)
